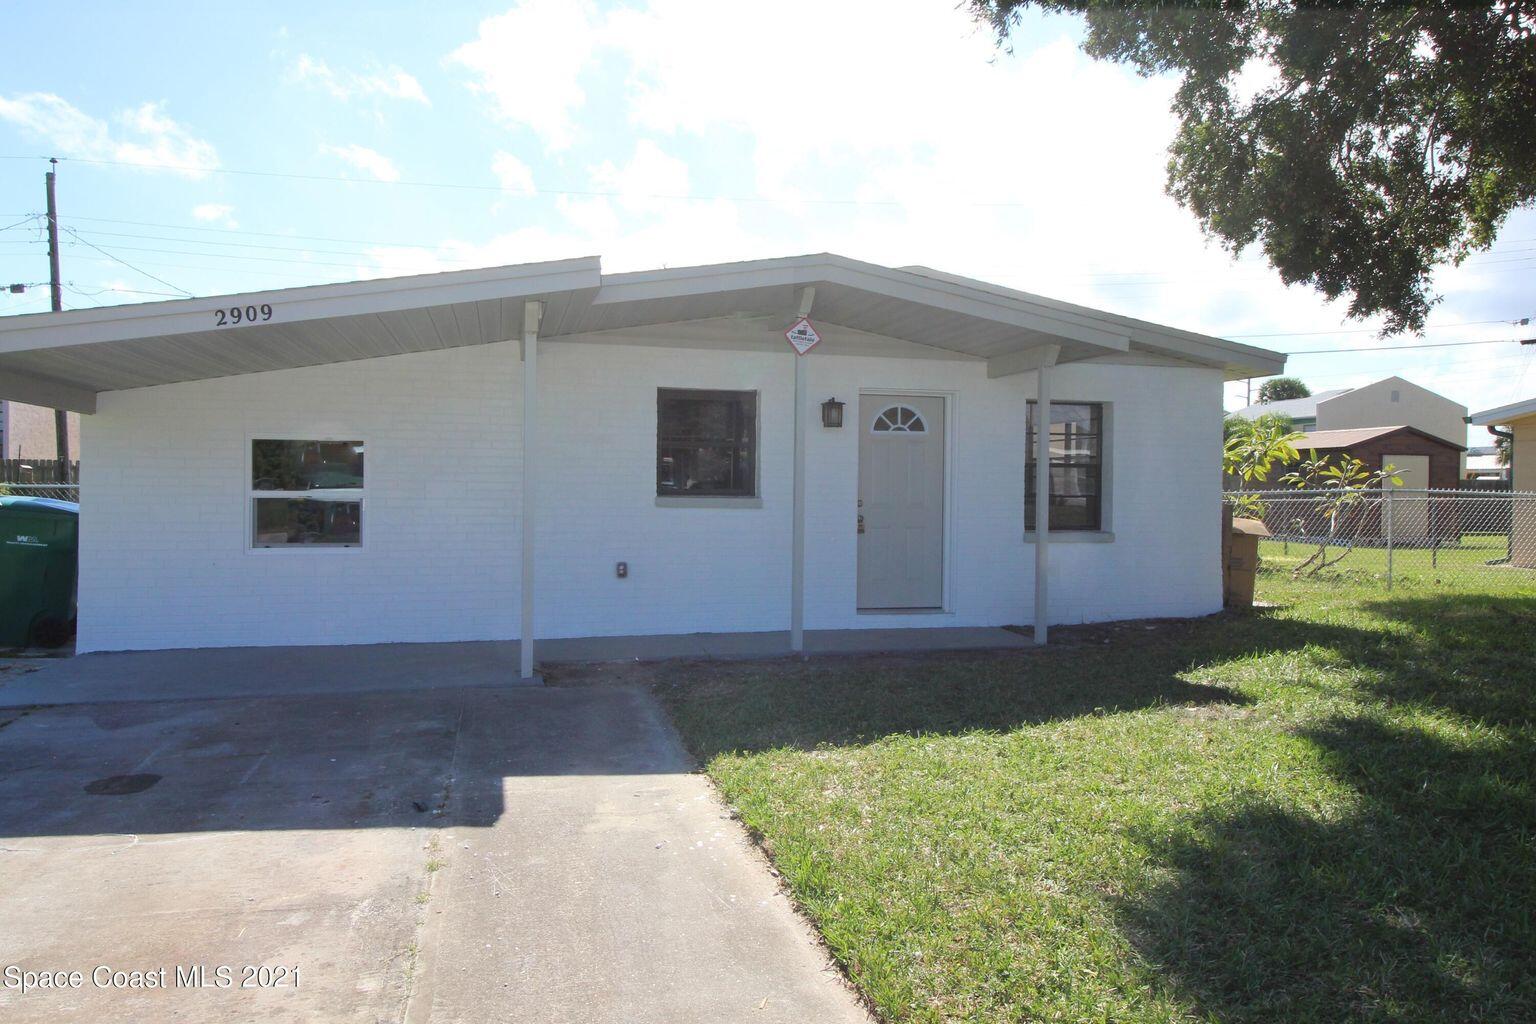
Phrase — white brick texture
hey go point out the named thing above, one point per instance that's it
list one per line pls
(165, 558)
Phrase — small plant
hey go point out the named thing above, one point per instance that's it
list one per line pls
(1342, 484)
(1251, 451)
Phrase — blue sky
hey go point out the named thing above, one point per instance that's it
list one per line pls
(661, 133)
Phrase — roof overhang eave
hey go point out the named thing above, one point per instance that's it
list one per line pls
(297, 305)
(1503, 414)
(828, 271)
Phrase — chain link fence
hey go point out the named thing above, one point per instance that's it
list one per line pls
(1396, 535)
(63, 492)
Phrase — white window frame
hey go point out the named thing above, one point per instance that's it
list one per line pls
(349, 494)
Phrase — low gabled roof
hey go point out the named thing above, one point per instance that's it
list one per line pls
(1295, 408)
(1333, 440)
(1503, 414)
(65, 359)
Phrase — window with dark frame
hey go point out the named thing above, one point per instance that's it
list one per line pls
(1077, 467)
(706, 443)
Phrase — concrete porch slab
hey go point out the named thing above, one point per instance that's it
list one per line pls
(243, 672)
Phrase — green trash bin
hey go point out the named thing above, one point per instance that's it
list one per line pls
(39, 551)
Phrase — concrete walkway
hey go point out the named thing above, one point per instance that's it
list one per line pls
(295, 671)
(485, 854)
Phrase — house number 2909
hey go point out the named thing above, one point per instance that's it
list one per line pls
(242, 314)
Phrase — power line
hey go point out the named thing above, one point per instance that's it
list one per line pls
(256, 234)
(125, 291)
(1400, 348)
(504, 189)
(259, 259)
(436, 247)
(247, 245)
(1373, 330)
(130, 266)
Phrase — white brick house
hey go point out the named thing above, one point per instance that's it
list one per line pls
(472, 455)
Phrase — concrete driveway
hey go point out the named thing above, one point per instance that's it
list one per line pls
(448, 854)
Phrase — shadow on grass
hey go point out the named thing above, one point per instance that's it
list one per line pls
(753, 707)
(1415, 906)
(1414, 903)
(1471, 654)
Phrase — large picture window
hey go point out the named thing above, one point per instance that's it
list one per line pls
(706, 443)
(1077, 466)
(306, 492)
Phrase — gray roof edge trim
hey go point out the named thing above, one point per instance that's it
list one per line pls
(375, 295)
(1119, 320)
(1495, 416)
(829, 268)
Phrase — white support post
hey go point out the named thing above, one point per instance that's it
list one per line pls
(797, 531)
(1042, 499)
(533, 312)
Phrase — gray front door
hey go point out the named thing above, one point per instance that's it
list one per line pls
(901, 501)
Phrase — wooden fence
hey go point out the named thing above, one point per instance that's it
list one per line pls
(39, 471)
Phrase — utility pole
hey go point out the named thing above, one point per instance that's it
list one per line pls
(55, 292)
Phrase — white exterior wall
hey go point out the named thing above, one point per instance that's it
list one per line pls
(165, 560)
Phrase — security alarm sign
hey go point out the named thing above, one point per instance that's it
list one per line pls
(803, 336)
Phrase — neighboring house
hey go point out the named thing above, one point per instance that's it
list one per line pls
(1302, 412)
(551, 451)
(1393, 402)
(27, 432)
(1519, 422)
(1483, 464)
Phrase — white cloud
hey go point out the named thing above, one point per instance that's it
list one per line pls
(512, 173)
(1043, 170)
(141, 135)
(528, 62)
(364, 159)
(215, 213)
(650, 181)
(388, 83)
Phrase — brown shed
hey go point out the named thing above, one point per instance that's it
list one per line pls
(1422, 460)
(1419, 459)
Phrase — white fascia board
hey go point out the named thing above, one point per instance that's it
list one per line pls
(826, 268)
(1239, 361)
(1201, 348)
(1503, 414)
(51, 394)
(291, 305)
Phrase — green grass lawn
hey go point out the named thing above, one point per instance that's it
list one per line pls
(1473, 561)
(1322, 811)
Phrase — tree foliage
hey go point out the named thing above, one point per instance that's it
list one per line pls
(1279, 389)
(1359, 144)
(1253, 447)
